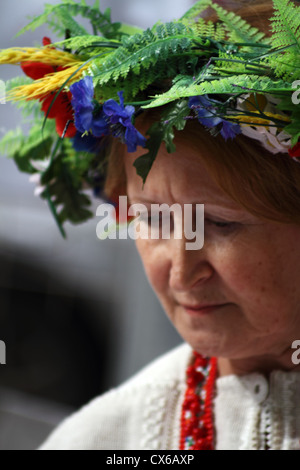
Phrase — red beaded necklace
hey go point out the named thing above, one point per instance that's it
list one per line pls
(197, 429)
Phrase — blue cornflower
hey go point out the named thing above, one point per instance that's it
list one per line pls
(207, 115)
(86, 116)
(230, 130)
(120, 117)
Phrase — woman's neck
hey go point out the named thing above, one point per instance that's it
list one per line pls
(263, 365)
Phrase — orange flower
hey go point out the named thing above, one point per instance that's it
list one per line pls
(61, 109)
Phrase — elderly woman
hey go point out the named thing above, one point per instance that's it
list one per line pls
(236, 301)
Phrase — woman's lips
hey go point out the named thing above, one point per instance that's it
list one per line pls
(202, 309)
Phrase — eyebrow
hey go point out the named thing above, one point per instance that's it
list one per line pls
(149, 200)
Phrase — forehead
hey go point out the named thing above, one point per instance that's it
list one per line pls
(178, 177)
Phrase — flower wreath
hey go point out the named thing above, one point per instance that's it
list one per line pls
(87, 88)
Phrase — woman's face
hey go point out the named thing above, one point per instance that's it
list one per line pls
(248, 267)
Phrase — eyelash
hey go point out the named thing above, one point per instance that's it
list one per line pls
(217, 224)
(222, 225)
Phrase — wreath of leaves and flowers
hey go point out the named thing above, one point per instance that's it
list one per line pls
(82, 91)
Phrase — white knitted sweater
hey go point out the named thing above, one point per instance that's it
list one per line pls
(144, 412)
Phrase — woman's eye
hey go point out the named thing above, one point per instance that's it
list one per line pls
(222, 224)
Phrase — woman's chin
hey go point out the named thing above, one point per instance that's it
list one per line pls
(208, 332)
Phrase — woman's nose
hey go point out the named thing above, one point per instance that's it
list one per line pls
(187, 267)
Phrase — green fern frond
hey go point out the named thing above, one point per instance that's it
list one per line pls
(15, 141)
(219, 32)
(286, 40)
(225, 66)
(88, 45)
(63, 12)
(238, 29)
(60, 17)
(129, 30)
(63, 191)
(69, 24)
(57, 28)
(285, 24)
(142, 51)
(11, 142)
(28, 108)
(235, 84)
(197, 9)
(166, 30)
(284, 58)
(38, 144)
(23, 149)
(77, 42)
(285, 66)
(16, 82)
(135, 83)
(209, 29)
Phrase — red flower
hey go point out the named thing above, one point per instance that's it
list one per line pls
(295, 151)
(61, 109)
(47, 41)
(37, 70)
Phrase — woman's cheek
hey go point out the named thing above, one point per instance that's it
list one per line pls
(155, 263)
(251, 281)
(237, 258)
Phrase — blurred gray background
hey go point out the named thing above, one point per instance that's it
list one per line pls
(78, 316)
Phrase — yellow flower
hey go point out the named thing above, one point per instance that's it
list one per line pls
(249, 120)
(257, 102)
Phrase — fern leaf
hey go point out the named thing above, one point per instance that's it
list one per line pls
(209, 29)
(285, 24)
(239, 66)
(129, 30)
(135, 83)
(63, 19)
(69, 23)
(228, 85)
(11, 142)
(16, 82)
(57, 28)
(23, 149)
(238, 29)
(284, 57)
(88, 45)
(38, 144)
(285, 66)
(197, 9)
(28, 108)
(59, 17)
(63, 188)
(142, 51)
(38, 21)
